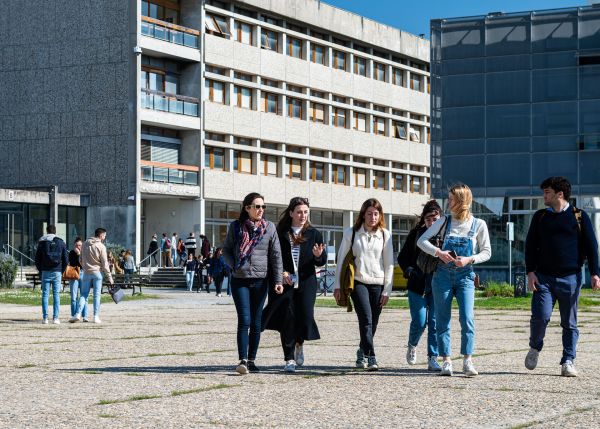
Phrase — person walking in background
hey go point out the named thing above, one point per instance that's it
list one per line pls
(420, 298)
(189, 267)
(252, 250)
(190, 244)
(165, 248)
(290, 310)
(128, 266)
(217, 270)
(200, 272)
(94, 261)
(371, 244)
(560, 238)
(51, 260)
(205, 247)
(207, 264)
(174, 242)
(181, 252)
(152, 249)
(466, 242)
(75, 285)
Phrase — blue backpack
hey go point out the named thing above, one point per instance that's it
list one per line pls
(52, 252)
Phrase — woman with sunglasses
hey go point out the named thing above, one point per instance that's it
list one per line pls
(252, 251)
(371, 244)
(291, 307)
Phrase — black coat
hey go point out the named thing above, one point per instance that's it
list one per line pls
(296, 306)
(407, 259)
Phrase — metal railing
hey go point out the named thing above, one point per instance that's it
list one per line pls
(10, 250)
(170, 32)
(180, 104)
(177, 176)
(149, 258)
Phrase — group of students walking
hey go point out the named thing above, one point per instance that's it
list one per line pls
(279, 261)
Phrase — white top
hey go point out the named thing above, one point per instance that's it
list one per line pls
(374, 258)
(481, 239)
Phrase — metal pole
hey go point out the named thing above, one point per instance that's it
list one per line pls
(510, 263)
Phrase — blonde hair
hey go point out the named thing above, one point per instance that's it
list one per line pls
(462, 201)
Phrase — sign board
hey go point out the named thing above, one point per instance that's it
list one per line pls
(11, 195)
(510, 231)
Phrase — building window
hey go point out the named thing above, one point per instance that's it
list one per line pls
(379, 179)
(294, 107)
(216, 91)
(242, 76)
(214, 158)
(398, 77)
(216, 137)
(338, 117)
(271, 83)
(242, 141)
(416, 82)
(242, 162)
(271, 103)
(339, 60)
(243, 96)
(158, 11)
(318, 94)
(269, 40)
(317, 171)
(360, 177)
(400, 130)
(270, 165)
(379, 70)
(317, 112)
(295, 168)
(414, 135)
(360, 122)
(317, 54)
(379, 125)
(398, 182)
(339, 174)
(294, 47)
(360, 66)
(415, 184)
(217, 26)
(243, 33)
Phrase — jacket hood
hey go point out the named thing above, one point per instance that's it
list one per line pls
(48, 237)
(93, 240)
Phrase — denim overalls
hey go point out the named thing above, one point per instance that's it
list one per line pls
(449, 281)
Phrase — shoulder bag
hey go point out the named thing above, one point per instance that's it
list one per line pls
(347, 277)
(427, 263)
(116, 294)
(71, 273)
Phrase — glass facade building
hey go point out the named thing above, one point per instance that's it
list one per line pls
(515, 98)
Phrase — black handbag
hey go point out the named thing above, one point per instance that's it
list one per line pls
(116, 294)
(427, 263)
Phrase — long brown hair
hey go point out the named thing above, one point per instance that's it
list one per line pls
(285, 220)
(430, 207)
(360, 220)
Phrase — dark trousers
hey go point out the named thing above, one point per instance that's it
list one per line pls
(249, 297)
(565, 290)
(366, 304)
(219, 283)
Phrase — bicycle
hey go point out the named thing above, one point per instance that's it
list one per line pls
(325, 281)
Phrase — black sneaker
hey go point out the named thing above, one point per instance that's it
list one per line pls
(242, 367)
(252, 366)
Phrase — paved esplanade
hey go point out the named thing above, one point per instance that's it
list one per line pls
(169, 363)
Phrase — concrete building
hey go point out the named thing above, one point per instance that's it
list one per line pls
(166, 113)
(516, 99)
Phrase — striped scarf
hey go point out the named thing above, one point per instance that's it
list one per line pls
(249, 235)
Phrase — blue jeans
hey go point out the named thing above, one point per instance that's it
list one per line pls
(90, 280)
(422, 314)
(189, 279)
(174, 256)
(74, 286)
(446, 284)
(249, 297)
(51, 278)
(565, 290)
(128, 274)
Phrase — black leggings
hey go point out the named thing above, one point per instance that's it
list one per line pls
(366, 304)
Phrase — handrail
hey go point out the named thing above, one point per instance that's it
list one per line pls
(169, 165)
(176, 96)
(6, 248)
(148, 257)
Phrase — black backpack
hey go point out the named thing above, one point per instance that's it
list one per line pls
(52, 252)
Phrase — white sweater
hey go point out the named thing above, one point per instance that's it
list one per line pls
(370, 267)
(482, 250)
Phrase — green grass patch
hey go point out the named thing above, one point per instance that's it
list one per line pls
(107, 416)
(26, 365)
(202, 389)
(30, 297)
(173, 393)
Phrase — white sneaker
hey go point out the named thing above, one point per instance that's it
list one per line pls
(45, 321)
(290, 366)
(74, 319)
(531, 359)
(242, 367)
(433, 365)
(299, 354)
(372, 363)
(55, 321)
(411, 355)
(219, 295)
(468, 368)
(568, 369)
(85, 319)
(361, 361)
(446, 368)
(97, 319)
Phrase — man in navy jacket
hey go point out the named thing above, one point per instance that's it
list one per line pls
(51, 259)
(559, 240)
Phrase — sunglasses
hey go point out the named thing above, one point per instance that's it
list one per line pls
(257, 206)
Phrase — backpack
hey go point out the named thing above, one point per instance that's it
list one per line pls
(167, 244)
(51, 252)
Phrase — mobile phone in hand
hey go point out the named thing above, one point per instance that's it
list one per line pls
(453, 254)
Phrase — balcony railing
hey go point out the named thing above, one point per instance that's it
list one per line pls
(172, 103)
(170, 32)
(153, 171)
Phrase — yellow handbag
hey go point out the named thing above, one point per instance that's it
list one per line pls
(347, 278)
(71, 273)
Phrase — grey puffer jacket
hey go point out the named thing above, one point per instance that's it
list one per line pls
(264, 260)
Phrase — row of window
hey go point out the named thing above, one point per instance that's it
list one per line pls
(244, 97)
(245, 162)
